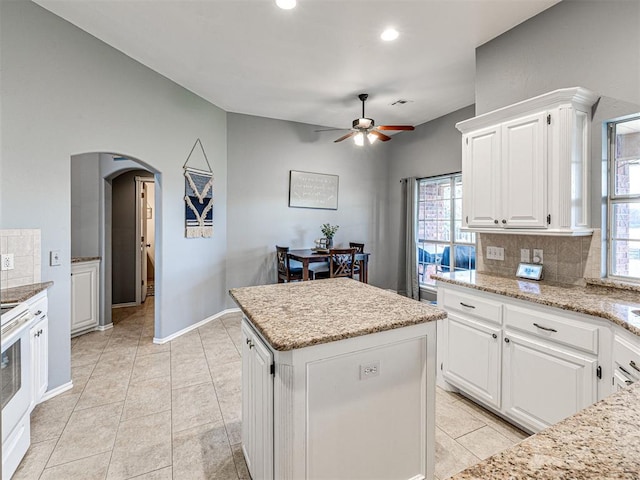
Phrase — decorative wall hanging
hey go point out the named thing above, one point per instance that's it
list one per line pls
(198, 198)
(313, 190)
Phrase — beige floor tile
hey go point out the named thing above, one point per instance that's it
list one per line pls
(143, 445)
(151, 366)
(456, 422)
(147, 347)
(451, 457)
(90, 468)
(445, 396)
(484, 442)
(35, 460)
(220, 352)
(203, 453)
(102, 391)
(49, 418)
(501, 426)
(187, 341)
(115, 361)
(162, 474)
(195, 405)
(189, 369)
(88, 432)
(147, 397)
(241, 464)
(86, 358)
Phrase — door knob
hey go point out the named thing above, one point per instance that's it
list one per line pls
(504, 221)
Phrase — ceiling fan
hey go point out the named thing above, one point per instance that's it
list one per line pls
(365, 128)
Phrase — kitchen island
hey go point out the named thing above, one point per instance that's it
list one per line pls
(338, 381)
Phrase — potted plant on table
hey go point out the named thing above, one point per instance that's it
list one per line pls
(329, 231)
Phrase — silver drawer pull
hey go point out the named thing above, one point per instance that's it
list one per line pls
(633, 365)
(628, 382)
(544, 328)
(466, 305)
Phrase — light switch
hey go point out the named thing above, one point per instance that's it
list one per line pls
(54, 258)
(537, 255)
(525, 255)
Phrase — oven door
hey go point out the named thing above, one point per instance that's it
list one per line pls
(16, 384)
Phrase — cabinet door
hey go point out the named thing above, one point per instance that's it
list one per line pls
(481, 185)
(39, 360)
(257, 405)
(472, 358)
(84, 298)
(544, 383)
(524, 170)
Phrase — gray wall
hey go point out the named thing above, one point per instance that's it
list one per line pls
(592, 44)
(261, 152)
(85, 206)
(65, 93)
(123, 236)
(434, 148)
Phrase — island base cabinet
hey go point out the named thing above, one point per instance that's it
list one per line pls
(361, 407)
(257, 405)
(544, 383)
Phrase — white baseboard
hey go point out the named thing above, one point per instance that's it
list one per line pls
(57, 391)
(228, 311)
(102, 328)
(122, 305)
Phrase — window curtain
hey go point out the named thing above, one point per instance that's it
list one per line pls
(408, 271)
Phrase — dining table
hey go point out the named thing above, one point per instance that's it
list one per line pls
(307, 256)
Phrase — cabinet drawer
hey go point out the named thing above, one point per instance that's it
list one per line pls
(553, 327)
(39, 305)
(473, 305)
(626, 357)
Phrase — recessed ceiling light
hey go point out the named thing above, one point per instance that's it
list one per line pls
(389, 34)
(286, 4)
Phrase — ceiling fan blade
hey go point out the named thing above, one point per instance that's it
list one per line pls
(381, 135)
(344, 137)
(396, 127)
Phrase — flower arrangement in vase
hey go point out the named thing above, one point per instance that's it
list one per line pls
(329, 231)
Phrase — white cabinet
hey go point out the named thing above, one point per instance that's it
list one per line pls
(527, 362)
(84, 296)
(39, 359)
(544, 382)
(626, 359)
(526, 166)
(39, 343)
(257, 405)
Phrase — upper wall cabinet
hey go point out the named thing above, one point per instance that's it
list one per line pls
(526, 166)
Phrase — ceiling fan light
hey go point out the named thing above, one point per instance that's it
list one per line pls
(389, 34)
(363, 123)
(372, 137)
(286, 4)
(359, 139)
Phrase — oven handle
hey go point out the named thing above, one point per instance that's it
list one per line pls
(14, 325)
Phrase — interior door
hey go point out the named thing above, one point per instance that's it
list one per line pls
(142, 205)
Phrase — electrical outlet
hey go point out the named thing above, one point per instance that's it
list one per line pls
(525, 255)
(495, 253)
(7, 261)
(537, 255)
(54, 258)
(369, 370)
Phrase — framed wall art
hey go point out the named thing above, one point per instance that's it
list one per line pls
(313, 190)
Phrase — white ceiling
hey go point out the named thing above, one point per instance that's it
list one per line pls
(308, 64)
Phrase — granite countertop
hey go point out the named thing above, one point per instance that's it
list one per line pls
(599, 298)
(300, 314)
(22, 293)
(599, 442)
(83, 259)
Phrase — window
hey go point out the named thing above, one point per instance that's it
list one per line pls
(442, 245)
(623, 237)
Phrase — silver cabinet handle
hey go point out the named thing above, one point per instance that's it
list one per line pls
(545, 328)
(251, 345)
(624, 370)
(504, 221)
(495, 221)
(506, 340)
(628, 382)
(248, 341)
(466, 305)
(633, 365)
(494, 335)
(38, 312)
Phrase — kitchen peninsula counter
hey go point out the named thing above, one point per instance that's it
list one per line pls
(599, 299)
(598, 442)
(300, 314)
(338, 381)
(23, 292)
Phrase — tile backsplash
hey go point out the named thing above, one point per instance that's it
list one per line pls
(24, 244)
(566, 259)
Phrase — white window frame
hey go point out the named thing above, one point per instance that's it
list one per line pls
(451, 243)
(614, 199)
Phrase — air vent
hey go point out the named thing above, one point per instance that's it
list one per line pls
(400, 102)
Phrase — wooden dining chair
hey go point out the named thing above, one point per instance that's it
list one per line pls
(286, 273)
(357, 269)
(341, 262)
